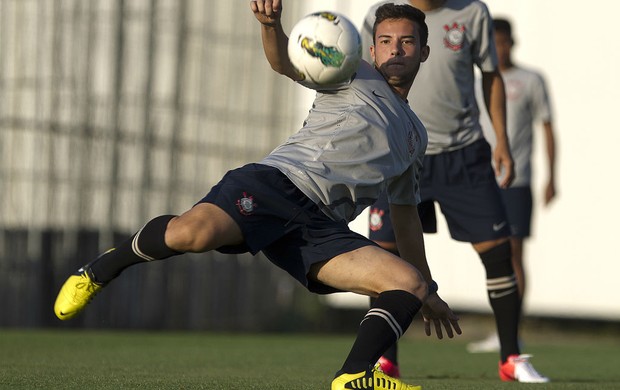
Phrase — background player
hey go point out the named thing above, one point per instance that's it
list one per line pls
(457, 171)
(527, 102)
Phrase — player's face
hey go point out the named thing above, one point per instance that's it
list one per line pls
(397, 52)
(503, 45)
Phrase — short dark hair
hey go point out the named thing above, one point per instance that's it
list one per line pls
(502, 25)
(401, 11)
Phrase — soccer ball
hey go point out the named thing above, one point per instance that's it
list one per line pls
(325, 48)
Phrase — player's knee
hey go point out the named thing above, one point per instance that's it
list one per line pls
(420, 288)
(412, 282)
(186, 236)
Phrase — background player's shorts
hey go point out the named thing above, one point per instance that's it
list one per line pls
(379, 221)
(463, 183)
(518, 204)
(276, 218)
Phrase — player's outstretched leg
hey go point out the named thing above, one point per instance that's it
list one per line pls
(80, 288)
(371, 379)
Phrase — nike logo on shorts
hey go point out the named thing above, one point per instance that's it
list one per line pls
(498, 226)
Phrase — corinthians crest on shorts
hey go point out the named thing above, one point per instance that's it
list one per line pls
(455, 36)
(376, 219)
(246, 204)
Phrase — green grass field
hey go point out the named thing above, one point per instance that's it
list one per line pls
(63, 359)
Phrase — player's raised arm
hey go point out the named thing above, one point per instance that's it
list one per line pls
(275, 41)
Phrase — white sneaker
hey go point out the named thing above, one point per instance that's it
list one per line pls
(489, 344)
(518, 368)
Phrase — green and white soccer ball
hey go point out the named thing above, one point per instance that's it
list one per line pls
(325, 48)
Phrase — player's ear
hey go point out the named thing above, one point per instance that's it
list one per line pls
(372, 53)
(425, 52)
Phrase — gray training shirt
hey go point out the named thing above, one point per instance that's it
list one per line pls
(527, 102)
(443, 93)
(355, 142)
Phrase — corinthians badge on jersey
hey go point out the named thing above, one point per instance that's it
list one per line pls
(455, 35)
(376, 219)
(246, 204)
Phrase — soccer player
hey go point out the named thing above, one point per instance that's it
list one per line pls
(527, 102)
(457, 170)
(295, 204)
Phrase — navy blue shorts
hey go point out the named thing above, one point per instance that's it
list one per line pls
(518, 204)
(462, 183)
(380, 224)
(278, 219)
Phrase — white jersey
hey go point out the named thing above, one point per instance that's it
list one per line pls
(443, 93)
(356, 142)
(527, 102)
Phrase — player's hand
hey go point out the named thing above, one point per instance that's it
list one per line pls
(549, 193)
(267, 12)
(437, 312)
(504, 165)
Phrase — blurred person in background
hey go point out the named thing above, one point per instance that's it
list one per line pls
(460, 169)
(527, 104)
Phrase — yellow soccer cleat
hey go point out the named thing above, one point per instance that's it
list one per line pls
(370, 380)
(75, 294)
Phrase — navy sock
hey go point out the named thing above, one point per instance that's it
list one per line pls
(383, 325)
(504, 297)
(146, 245)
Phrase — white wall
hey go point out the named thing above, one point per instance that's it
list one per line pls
(572, 261)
